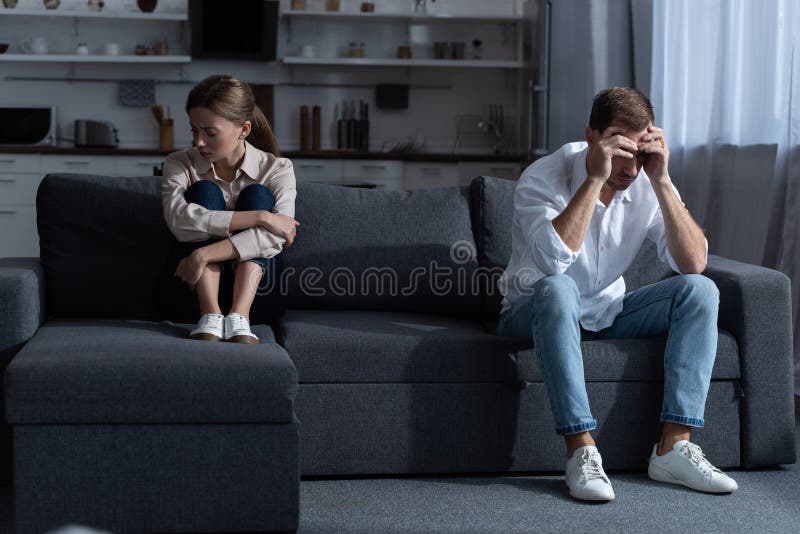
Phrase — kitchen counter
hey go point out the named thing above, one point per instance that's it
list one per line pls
(432, 157)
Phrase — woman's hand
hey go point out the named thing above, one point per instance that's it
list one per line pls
(281, 225)
(191, 268)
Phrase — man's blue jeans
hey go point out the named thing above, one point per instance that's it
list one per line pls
(682, 308)
(253, 197)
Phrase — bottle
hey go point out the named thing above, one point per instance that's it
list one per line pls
(340, 134)
(316, 127)
(303, 128)
(364, 128)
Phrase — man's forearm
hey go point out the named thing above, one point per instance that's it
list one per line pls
(685, 239)
(572, 224)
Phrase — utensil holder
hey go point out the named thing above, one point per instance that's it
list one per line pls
(166, 135)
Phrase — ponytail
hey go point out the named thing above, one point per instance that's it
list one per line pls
(261, 135)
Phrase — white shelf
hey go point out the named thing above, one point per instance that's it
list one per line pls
(380, 62)
(72, 58)
(336, 15)
(74, 13)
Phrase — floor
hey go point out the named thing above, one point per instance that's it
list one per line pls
(768, 500)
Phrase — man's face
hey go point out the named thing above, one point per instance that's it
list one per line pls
(623, 170)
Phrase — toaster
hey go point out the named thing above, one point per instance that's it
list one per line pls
(95, 133)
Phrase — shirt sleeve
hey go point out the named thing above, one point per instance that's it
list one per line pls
(188, 221)
(258, 242)
(537, 201)
(656, 233)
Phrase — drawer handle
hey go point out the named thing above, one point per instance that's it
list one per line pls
(74, 162)
(312, 166)
(8, 180)
(147, 163)
(431, 170)
(8, 161)
(8, 212)
(379, 167)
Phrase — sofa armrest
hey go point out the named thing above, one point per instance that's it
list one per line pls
(22, 303)
(755, 306)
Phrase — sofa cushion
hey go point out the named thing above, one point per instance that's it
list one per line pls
(356, 346)
(114, 371)
(492, 216)
(382, 250)
(107, 252)
(627, 360)
(103, 243)
(353, 346)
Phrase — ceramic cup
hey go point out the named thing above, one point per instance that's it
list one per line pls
(307, 51)
(37, 45)
(111, 49)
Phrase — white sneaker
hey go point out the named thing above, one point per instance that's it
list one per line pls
(237, 329)
(209, 328)
(686, 464)
(585, 476)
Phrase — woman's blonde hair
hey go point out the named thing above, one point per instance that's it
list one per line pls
(233, 99)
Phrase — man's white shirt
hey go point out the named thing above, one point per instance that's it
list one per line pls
(613, 240)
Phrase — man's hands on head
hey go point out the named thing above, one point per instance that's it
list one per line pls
(609, 144)
(656, 162)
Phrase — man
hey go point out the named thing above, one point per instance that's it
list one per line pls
(581, 215)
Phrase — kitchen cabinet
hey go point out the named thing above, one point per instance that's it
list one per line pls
(137, 165)
(469, 170)
(430, 175)
(328, 171)
(20, 175)
(385, 174)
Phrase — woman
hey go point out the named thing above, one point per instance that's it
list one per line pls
(229, 200)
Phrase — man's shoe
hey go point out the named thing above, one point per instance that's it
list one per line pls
(237, 330)
(687, 465)
(209, 328)
(585, 476)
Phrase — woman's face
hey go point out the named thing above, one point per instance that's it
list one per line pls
(215, 137)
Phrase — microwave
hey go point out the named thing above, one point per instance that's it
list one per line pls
(28, 125)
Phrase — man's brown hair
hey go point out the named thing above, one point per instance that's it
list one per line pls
(626, 105)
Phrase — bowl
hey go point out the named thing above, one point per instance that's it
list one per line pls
(3, 48)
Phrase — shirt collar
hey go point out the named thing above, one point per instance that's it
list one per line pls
(250, 164)
(579, 176)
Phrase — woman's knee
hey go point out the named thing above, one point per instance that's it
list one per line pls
(205, 193)
(255, 197)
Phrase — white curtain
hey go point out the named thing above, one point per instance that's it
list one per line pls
(724, 79)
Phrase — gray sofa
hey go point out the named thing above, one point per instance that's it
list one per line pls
(386, 362)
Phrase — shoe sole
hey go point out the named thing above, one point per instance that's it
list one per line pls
(662, 475)
(593, 499)
(205, 337)
(243, 339)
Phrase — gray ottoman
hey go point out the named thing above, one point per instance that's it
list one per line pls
(129, 426)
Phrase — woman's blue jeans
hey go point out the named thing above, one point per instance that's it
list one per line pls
(682, 308)
(253, 197)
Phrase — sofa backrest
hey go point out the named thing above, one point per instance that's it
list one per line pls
(492, 215)
(375, 249)
(103, 243)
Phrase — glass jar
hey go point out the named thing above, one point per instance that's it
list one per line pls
(356, 49)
